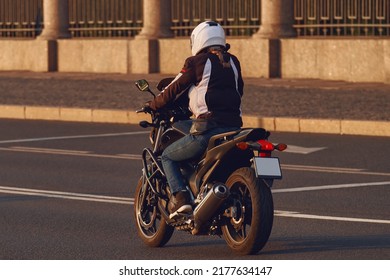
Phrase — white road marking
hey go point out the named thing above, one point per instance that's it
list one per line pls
(330, 187)
(43, 150)
(291, 214)
(322, 168)
(302, 150)
(290, 148)
(72, 137)
(130, 201)
(66, 195)
(331, 170)
(130, 156)
(70, 153)
(138, 157)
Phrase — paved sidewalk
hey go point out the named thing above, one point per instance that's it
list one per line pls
(277, 104)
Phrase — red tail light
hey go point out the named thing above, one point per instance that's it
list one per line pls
(266, 148)
(266, 145)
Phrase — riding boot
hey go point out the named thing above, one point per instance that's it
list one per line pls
(179, 203)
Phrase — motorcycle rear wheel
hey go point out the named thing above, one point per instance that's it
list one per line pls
(249, 229)
(151, 226)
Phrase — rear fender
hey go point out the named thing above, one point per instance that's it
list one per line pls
(222, 153)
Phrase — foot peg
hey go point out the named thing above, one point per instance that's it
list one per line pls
(183, 211)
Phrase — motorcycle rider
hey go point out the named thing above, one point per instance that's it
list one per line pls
(212, 79)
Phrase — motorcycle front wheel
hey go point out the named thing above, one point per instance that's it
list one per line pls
(250, 223)
(151, 226)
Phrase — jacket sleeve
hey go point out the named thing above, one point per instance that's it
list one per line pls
(240, 80)
(179, 85)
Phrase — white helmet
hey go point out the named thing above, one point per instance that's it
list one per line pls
(206, 34)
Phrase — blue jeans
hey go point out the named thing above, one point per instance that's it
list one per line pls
(186, 148)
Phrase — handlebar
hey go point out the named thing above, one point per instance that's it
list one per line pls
(145, 109)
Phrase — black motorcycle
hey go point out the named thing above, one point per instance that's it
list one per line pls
(230, 184)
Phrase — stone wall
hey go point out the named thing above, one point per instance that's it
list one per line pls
(355, 60)
(27, 55)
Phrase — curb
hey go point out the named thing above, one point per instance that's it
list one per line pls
(279, 124)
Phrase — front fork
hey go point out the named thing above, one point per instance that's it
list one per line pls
(152, 171)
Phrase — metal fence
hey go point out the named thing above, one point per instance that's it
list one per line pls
(123, 18)
(342, 17)
(105, 18)
(238, 17)
(20, 18)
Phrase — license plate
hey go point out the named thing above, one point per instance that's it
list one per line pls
(267, 167)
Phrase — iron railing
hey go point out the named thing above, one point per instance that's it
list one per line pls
(342, 17)
(105, 18)
(238, 17)
(123, 18)
(20, 18)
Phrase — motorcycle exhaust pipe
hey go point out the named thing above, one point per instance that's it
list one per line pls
(209, 205)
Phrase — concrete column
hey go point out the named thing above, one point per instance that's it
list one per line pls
(277, 19)
(157, 20)
(55, 20)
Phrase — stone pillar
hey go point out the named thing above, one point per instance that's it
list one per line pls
(55, 20)
(157, 20)
(277, 19)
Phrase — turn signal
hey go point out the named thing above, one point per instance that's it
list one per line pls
(281, 147)
(242, 145)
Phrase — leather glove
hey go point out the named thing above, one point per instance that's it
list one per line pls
(147, 108)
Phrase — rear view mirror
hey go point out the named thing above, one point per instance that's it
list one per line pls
(142, 85)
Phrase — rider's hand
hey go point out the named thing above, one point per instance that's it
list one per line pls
(147, 108)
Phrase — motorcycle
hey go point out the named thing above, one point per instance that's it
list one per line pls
(230, 184)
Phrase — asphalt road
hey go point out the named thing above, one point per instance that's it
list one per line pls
(66, 192)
